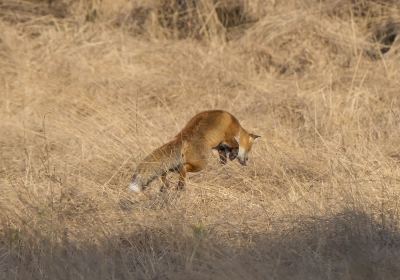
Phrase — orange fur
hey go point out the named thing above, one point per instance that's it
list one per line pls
(190, 149)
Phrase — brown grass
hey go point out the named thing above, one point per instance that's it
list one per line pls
(88, 88)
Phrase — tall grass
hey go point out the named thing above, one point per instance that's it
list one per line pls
(89, 88)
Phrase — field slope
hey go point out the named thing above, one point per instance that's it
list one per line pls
(89, 88)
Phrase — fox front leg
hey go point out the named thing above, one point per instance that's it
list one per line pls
(223, 154)
(226, 152)
(233, 153)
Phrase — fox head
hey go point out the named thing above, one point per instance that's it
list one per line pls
(245, 141)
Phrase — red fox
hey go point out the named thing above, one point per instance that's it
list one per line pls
(190, 149)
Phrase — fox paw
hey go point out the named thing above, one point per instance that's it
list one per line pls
(164, 186)
(181, 186)
(233, 153)
(222, 156)
(222, 159)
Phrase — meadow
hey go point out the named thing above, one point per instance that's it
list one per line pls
(88, 88)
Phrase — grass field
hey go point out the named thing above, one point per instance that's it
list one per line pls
(89, 88)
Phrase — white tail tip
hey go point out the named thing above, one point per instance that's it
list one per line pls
(134, 187)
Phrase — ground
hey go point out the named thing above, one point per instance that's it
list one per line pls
(89, 88)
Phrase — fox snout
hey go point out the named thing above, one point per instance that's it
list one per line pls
(136, 185)
(243, 157)
(243, 160)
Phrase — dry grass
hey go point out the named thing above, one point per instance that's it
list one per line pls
(87, 89)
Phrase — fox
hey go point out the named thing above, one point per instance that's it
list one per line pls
(190, 149)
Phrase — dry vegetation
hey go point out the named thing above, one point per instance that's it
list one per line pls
(88, 88)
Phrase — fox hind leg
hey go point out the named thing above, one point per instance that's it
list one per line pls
(193, 166)
(165, 183)
(182, 177)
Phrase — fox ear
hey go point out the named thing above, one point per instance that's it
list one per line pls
(255, 137)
